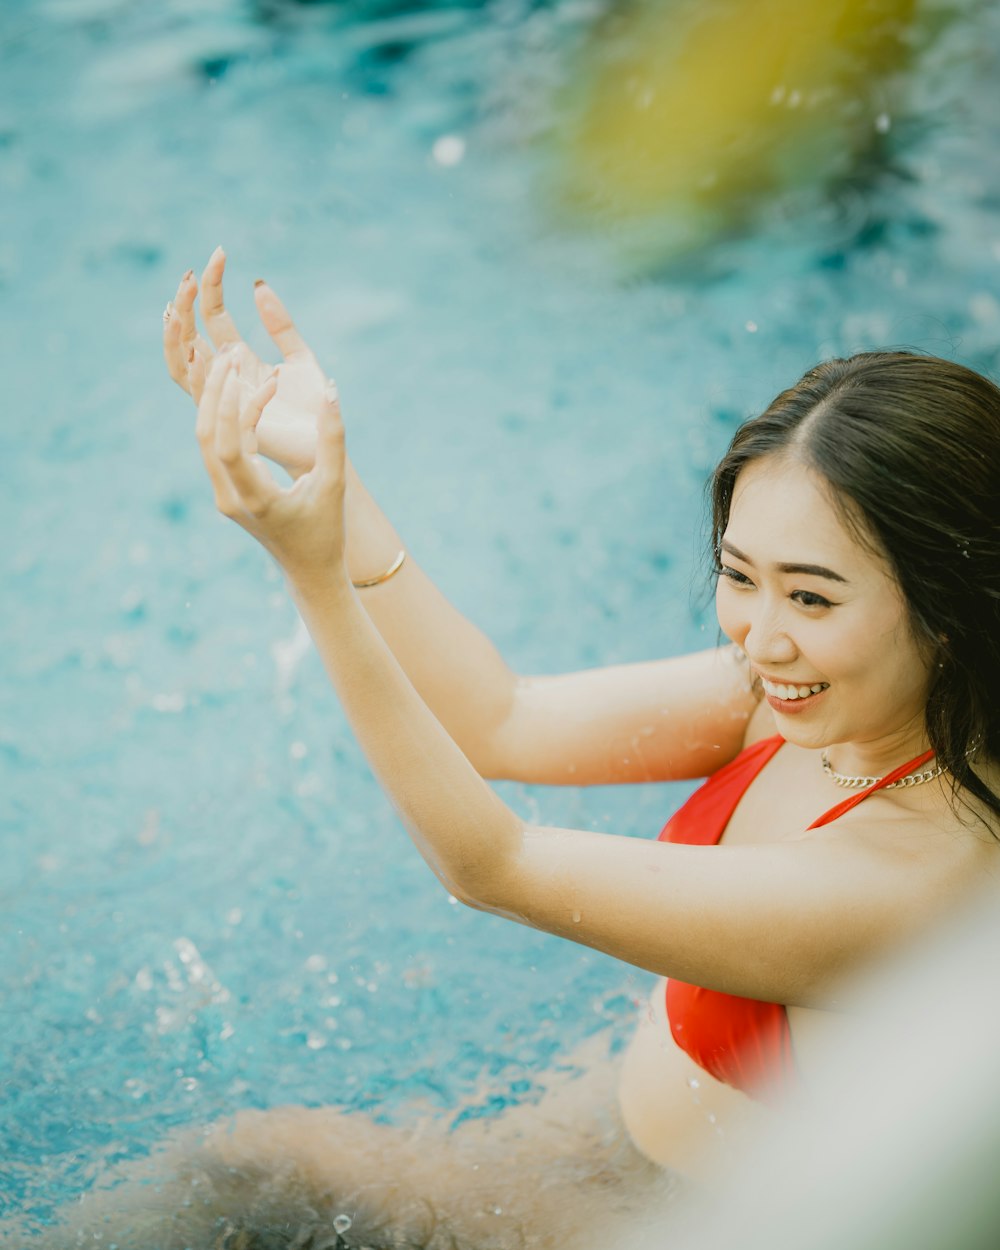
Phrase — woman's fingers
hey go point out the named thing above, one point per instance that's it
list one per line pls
(173, 347)
(226, 499)
(196, 375)
(278, 323)
(247, 365)
(187, 290)
(254, 486)
(209, 406)
(182, 343)
(330, 453)
(220, 326)
(228, 436)
(253, 409)
(301, 526)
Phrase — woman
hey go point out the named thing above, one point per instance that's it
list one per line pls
(855, 527)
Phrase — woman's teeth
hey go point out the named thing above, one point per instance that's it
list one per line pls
(792, 692)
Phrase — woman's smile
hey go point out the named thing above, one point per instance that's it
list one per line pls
(792, 697)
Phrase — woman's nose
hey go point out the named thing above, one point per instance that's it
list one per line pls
(767, 642)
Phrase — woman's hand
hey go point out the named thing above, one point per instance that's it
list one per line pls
(303, 525)
(286, 433)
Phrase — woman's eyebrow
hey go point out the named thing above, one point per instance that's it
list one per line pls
(813, 570)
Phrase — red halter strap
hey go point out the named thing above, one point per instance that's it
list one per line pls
(853, 800)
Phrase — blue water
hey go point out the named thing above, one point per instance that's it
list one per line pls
(207, 902)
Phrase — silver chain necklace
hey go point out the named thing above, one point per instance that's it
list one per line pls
(862, 783)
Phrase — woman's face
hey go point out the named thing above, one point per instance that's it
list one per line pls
(822, 621)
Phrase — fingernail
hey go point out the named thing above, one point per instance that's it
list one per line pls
(259, 282)
(218, 252)
(188, 276)
(191, 356)
(225, 348)
(168, 311)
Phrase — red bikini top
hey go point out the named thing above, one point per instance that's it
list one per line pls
(744, 1042)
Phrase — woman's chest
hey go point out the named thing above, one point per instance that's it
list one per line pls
(782, 801)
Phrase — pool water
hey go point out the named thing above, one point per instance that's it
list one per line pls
(208, 904)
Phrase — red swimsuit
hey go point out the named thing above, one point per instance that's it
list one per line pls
(742, 1041)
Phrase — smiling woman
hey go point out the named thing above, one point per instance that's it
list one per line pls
(857, 549)
(855, 530)
(856, 535)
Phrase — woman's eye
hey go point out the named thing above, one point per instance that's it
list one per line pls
(810, 599)
(734, 575)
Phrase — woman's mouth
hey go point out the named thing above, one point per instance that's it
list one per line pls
(786, 697)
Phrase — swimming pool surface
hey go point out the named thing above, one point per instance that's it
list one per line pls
(207, 903)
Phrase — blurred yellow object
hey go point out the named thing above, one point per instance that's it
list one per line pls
(705, 105)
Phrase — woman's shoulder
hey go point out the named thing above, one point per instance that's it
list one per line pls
(934, 843)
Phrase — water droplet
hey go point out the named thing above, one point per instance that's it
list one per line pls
(298, 750)
(883, 123)
(137, 1089)
(315, 963)
(751, 327)
(168, 703)
(342, 1223)
(448, 150)
(315, 1041)
(694, 1083)
(498, 1210)
(576, 917)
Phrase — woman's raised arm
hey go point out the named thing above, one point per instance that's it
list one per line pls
(660, 720)
(778, 922)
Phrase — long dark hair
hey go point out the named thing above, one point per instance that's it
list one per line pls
(910, 446)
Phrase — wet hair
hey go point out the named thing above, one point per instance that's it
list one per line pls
(910, 447)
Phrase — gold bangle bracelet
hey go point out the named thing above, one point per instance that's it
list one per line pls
(393, 568)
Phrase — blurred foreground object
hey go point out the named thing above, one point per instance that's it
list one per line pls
(897, 1145)
(684, 114)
